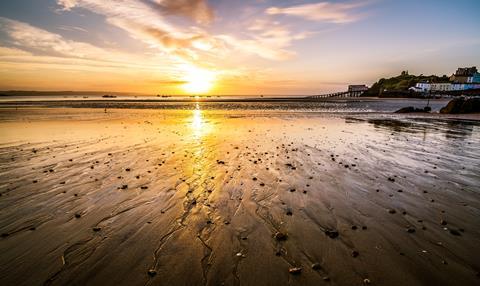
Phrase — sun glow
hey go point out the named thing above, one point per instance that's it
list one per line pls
(198, 81)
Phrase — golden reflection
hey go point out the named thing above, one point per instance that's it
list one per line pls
(200, 126)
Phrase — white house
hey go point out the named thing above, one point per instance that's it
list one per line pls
(426, 87)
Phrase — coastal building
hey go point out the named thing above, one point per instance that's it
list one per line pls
(357, 88)
(475, 78)
(442, 87)
(422, 87)
(466, 75)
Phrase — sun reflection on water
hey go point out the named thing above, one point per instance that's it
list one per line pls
(200, 126)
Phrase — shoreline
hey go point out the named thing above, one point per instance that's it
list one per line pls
(204, 99)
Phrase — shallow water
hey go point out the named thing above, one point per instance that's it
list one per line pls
(364, 105)
(197, 195)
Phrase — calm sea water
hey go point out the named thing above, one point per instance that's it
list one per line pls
(352, 105)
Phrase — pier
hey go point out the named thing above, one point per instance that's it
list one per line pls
(353, 91)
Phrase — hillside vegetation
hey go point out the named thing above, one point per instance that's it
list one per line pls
(401, 83)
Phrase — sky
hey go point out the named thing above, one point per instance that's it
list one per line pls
(235, 47)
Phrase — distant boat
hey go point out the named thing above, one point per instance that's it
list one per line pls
(108, 96)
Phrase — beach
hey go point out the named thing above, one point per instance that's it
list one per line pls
(255, 193)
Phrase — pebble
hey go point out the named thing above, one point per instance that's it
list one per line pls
(331, 233)
(454, 232)
(280, 236)
(295, 270)
(316, 266)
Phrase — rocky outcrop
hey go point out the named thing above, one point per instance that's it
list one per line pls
(462, 105)
(411, 109)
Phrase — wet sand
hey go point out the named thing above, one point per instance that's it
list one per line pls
(195, 197)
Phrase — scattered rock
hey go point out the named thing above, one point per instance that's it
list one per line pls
(391, 211)
(316, 266)
(355, 254)
(455, 232)
(411, 109)
(280, 236)
(78, 215)
(97, 228)
(331, 233)
(295, 270)
(462, 105)
(410, 230)
(152, 272)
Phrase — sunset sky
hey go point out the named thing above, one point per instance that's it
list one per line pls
(228, 46)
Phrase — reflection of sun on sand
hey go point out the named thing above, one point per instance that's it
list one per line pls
(199, 125)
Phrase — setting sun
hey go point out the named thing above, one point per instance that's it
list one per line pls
(198, 81)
